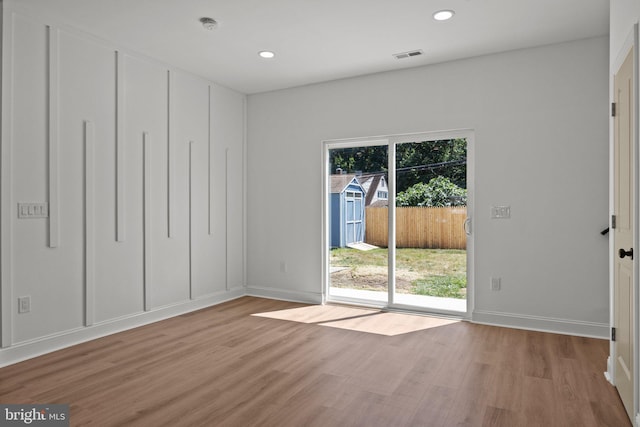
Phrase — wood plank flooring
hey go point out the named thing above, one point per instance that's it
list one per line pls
(259, 362)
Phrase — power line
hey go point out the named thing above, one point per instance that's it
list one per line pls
(430, 166)
(458, 162)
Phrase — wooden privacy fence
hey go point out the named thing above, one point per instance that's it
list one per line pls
(418, 227)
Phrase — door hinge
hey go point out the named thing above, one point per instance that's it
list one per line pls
(613, 334)
(613, 109)
(613, 221)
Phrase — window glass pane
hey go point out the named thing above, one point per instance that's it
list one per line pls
(350, 231)
(431, 190)
(350, 205)
(355, 273)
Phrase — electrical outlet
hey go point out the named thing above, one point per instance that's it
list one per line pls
(24, 304)
(283, 267)
(495, 283)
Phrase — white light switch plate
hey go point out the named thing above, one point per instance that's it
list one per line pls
(500, 212)
(33, 210)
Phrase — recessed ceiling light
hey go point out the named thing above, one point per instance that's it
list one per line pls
(209, 23)
(266, 54)
(443, 15)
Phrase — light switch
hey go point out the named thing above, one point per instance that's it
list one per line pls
(500, 212)
(33, 210)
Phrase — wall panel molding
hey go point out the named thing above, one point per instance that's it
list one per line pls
(170, 159)
(244, 190)
(53, 58)
(191, 161)
(226, 217)
(146, 215)
(6, 182)
(120, 150)
(209, 177)
(89, 221)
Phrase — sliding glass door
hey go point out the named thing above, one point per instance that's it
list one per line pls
(358, 270)
(413, 245)
(430, 213)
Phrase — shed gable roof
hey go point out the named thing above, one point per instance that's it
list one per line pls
(340, 182)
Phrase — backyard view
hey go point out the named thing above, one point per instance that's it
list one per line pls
(433, 272)
(430, 239)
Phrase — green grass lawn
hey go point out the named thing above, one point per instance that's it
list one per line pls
(434, 272)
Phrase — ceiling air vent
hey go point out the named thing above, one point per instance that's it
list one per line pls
(410, 54)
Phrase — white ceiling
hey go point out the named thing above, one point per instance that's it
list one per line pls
(321, 40)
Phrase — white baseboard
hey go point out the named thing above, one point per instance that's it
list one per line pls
(285, 294)
(608, 374)
(29, 349)
(542, 324)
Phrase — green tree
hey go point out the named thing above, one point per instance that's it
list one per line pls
(364, 159)
(415, 162)
(440, 191)
(423, 161)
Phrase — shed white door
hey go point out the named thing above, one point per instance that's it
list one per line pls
(355, 217)
(623, 233)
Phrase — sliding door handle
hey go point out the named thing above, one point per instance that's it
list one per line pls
(467, 226)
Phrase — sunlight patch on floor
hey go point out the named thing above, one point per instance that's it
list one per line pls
(358, 319)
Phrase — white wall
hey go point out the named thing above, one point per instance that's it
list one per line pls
(140, 232)
(540, 118)
(622, 15)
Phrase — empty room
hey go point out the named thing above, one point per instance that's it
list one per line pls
(292, 212)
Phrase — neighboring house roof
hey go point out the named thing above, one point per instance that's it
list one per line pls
(340, 182)
(372, 187)
(365, 181)
(370, 183)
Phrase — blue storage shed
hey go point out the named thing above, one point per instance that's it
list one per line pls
(347, 221)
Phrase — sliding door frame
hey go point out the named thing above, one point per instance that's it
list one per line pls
(422, 137)
(326, 205)
(392, 141)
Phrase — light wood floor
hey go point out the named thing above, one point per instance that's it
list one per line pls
(296, 365)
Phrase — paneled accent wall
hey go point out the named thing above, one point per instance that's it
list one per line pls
(141, 166)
